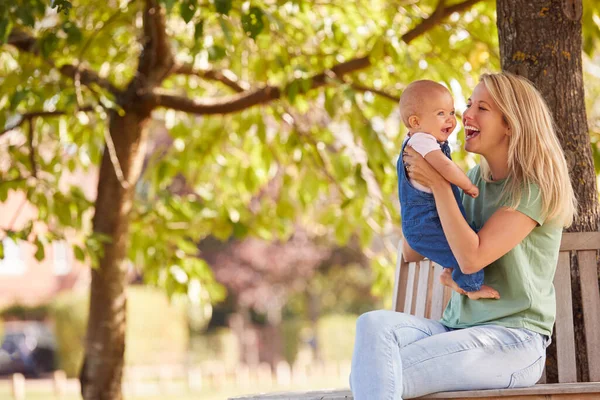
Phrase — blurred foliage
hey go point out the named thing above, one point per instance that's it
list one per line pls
(25, 313)
(157, 329)
(218, 344)
(334, 336)
(149, 338)
(323, 158)
(69, 312)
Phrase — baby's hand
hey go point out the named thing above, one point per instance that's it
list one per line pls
(473, 191)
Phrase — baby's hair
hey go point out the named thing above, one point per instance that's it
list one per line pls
(414, 96)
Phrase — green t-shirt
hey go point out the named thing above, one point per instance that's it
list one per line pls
(523, 276)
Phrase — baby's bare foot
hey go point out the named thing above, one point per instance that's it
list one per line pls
(485, 292)
(446, 279)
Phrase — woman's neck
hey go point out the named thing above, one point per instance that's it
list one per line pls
(498, 167)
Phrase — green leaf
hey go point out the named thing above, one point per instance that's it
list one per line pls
(25, 15)
(1, 249)
(40, 252)
(73, 32)
(216, 53)
(226, 29)
(223, 6)
(199, 30)
(79, 253)
(168, 5)
(252, 22)
(292, 90)
(187, 10)
(17, 98)
(61, 5)
(5, 29)
(48, 44)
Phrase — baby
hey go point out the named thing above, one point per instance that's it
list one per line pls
(427, 110)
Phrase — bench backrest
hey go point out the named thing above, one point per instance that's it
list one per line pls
(418, 291)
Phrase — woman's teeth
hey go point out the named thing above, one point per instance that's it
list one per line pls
(471, 132)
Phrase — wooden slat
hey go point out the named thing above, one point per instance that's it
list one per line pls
(576, 389)
(590, 299)
(542, 379)
(579, 391)
(400, 281)
(408, 298)
(415, 291)
(565, 338)
(580, 241)
(447, 296)
(424, 269)
(438, 294)
(430, 285)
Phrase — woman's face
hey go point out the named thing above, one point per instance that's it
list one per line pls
(486, 133)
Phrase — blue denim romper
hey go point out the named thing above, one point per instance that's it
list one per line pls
(422, 228)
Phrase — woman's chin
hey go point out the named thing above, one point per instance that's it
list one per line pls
(470, 147)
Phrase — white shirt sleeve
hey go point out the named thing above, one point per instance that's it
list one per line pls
(423, 143)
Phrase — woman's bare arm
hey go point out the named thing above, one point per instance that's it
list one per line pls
(473, 251)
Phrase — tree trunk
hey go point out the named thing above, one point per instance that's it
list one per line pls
(105, 341)
(542, 41)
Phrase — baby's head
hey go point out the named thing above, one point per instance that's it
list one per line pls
(427, 106)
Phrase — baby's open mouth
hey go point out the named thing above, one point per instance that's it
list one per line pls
(470, 132)
(447, 130)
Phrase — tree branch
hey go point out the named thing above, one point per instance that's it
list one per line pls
(28, 116)
(31, 148)
(245, 100)
(441, 12)
(225, 76)
(156, 59)
(27, 43)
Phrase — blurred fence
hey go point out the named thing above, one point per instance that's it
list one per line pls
(179, 378)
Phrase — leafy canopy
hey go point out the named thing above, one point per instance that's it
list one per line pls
(323, 158)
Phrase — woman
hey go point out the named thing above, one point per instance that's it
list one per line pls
(525, 200)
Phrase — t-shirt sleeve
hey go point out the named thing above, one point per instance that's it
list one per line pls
(531, 204)
(423, 143)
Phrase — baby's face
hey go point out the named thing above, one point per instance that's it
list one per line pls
(437, 116)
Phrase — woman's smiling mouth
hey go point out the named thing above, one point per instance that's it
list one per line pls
(471, 132)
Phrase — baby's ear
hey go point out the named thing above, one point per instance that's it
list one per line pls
(413, 121)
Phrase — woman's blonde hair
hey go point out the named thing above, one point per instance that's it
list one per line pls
(534, 153)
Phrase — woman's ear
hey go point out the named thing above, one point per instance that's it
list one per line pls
(413, 121)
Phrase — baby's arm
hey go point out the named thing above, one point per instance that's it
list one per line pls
(451, 172)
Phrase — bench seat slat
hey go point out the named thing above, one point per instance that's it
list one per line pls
(422, 283)
(437, 297)
(557, 391)
(565, 338)
(400, 282)
(588, 274)
(580, 241)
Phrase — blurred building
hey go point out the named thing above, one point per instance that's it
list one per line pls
(25, 280)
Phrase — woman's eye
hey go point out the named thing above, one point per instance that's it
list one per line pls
(483, 109)
(468, 106)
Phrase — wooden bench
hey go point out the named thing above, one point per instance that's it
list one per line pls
(417, 290)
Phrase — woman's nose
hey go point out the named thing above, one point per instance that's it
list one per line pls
(466, 114)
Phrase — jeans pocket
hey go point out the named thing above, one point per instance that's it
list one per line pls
(527, 376)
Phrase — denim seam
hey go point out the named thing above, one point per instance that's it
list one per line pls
(391, 341)
(470, 348)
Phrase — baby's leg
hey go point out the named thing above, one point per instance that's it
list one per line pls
(485, 292)
(446, 279)
(473, 285)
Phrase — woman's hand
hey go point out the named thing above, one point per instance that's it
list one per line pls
(420, 170)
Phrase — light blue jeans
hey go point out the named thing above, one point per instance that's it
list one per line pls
(399, 356)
